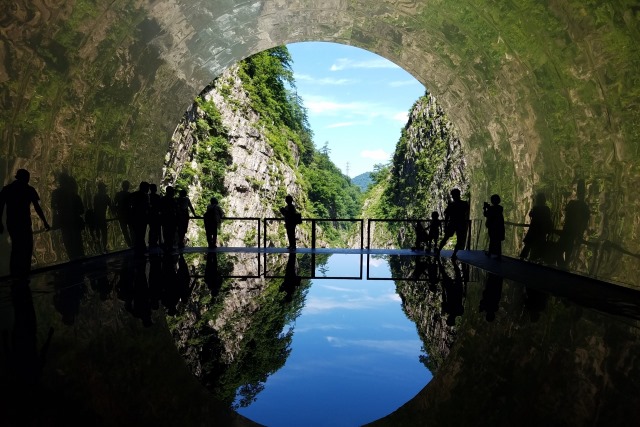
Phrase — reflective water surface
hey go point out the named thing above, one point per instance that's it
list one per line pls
(315, 339)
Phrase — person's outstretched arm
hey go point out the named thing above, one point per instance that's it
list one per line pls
(36, 206)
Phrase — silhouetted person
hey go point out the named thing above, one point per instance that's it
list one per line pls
(490, 302)
(576, 220)
(456, 217)
(452, 293)
(421, 237)
(291, 218)
(540, 226)
(169, 218)
(212, 222)
(154, 216)
(101, 201)
(139, 201)
(184, 207)
(495, 226)
(433, 274)
(18, 198)
(434, 231)
(122, 206)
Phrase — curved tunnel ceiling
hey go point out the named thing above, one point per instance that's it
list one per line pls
(543, 94)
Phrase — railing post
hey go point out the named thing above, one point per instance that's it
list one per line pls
(361, 238)
(258, 233)
(313, 233)
(265, 233)
(368, 233)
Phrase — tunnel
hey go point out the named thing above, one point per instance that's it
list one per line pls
(544, 94)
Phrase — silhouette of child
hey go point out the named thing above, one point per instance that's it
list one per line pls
(434, 231)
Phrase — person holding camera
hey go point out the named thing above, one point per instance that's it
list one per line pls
(495, 226)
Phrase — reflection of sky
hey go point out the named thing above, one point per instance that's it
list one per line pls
(354, 356)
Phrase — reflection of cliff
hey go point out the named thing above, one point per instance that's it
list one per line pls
(235, 337)
(422, 300)
(549, 363)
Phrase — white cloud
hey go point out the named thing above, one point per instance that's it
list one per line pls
(343, 124)
(401, 117)
(378, 154)
(324, 81)
(345, 64)
(399, 83)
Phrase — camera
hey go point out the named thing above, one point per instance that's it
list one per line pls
(486, 205)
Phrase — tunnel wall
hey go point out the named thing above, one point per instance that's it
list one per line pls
(544, 94)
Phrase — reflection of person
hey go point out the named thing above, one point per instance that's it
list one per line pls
(184, 206)
(576, 220)
(212, 276)
(490, 302)
(291, 280)
(452, 293)
(539, 228)
(212, 221)
(495, 226)
(290, 219)
(18, 198)
(456, 217)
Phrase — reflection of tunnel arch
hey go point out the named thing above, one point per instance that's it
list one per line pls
(542, 95)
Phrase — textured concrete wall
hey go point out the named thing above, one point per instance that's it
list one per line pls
(544, 93)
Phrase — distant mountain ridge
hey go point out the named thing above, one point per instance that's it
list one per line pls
(363, 180)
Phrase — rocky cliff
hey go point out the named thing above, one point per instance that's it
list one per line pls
(255, 180)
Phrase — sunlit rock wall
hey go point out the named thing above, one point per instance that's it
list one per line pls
(544, 93)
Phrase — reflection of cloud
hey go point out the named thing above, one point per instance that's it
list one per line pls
(320, 327)
(341, 289)
(377, 262)
(399, 347)
(346, 64)
(378, 154)
(324, 81)
(316, 305)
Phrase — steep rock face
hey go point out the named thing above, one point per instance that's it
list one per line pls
(255, 180)
(429, 161)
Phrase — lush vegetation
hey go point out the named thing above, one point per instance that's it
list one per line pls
(268, 81)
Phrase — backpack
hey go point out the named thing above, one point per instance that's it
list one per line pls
(298, 218)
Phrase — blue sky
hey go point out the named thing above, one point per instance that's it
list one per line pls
(357, 101)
